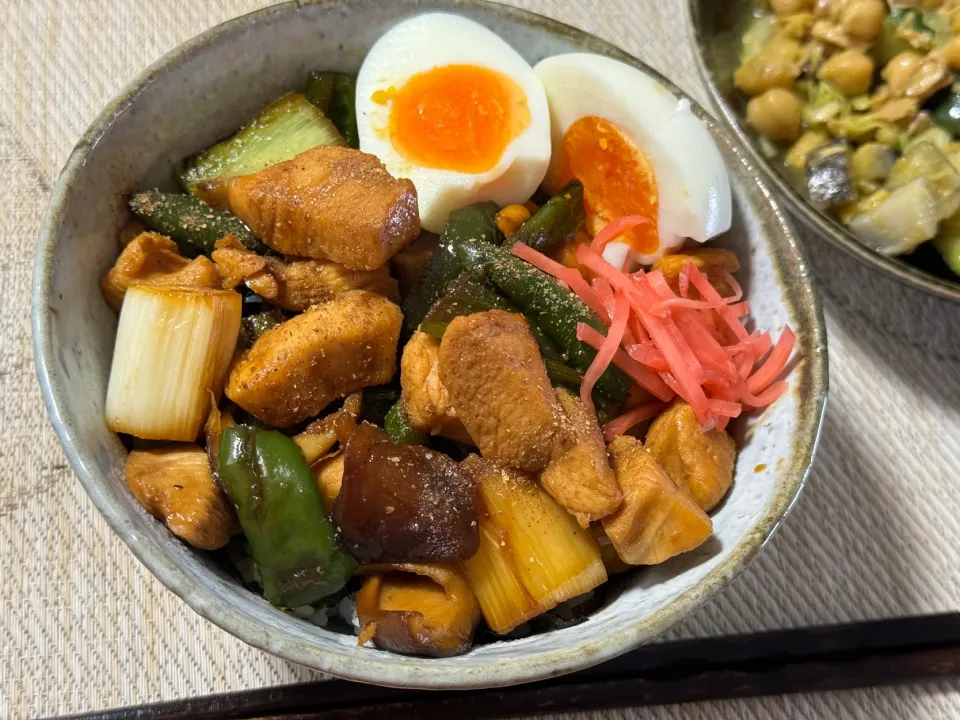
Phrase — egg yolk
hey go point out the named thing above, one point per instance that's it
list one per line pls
(617, 179)
(456, 117)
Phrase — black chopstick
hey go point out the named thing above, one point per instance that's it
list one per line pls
(837, 657)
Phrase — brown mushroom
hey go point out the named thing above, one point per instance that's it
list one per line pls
(417, 609)
(404, 503)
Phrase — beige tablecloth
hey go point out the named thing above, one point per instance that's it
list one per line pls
(84, 626)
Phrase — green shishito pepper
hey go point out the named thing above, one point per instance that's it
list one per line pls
(468, 294)
(397, 426)
(477, 221)
(190, 222)
(292, 539)
(543, 301)
(471, 242)
(555, 224)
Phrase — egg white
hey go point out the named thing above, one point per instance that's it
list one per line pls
(692, 182)
(436, 40)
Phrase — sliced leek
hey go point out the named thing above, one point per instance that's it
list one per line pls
(173, 347)
(504, 602)
(532, 555)
(283, 130)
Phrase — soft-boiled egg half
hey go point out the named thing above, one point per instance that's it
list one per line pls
(446, 103)
(638, 150)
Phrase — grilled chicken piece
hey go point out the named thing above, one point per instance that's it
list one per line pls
(656, 520)
(425, 399)
(407, 265)
(330, 202)
(153, 259)
(579, 476)
(296, 369)
(491, 366)
(295, 283)
(699, 463)
(175, 484)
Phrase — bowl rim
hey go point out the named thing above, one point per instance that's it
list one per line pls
(790, 261)
(819, 223)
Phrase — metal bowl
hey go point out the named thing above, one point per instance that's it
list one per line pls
(715, 29)
(210, 86)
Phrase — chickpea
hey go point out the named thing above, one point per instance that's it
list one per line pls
(791, 7)
(898, 110)
(811, 140)
(777, 65)
(910, 75)
(849, 71)
(951, 53)
(889, 136)
(863, 19)
(830, 9)
(871, 162)
(795, 27)
(776, 114)
(899, 71)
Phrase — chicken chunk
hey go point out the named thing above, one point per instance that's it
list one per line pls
(153, 259)
(329, 202)
(296, 369)
(699, 463)
(425, 398)
(408, 264)
(656, 521)
(491, 366)
(295, 283)
(175, 484)
(579, 476)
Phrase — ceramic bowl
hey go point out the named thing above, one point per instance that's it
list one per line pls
(715, 29)
(211, 85)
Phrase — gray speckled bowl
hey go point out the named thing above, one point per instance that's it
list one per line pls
(208, 87)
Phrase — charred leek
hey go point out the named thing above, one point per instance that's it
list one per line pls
(172, 350)
(285, 129)
(532, 554)
(334, 94)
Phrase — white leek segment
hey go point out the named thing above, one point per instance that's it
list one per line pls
(532, 553)
(173, 347)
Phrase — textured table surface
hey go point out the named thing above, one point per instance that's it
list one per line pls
(84, 626)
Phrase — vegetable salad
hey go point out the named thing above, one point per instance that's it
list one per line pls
(860, 100)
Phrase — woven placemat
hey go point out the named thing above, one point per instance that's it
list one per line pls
(84, 626)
